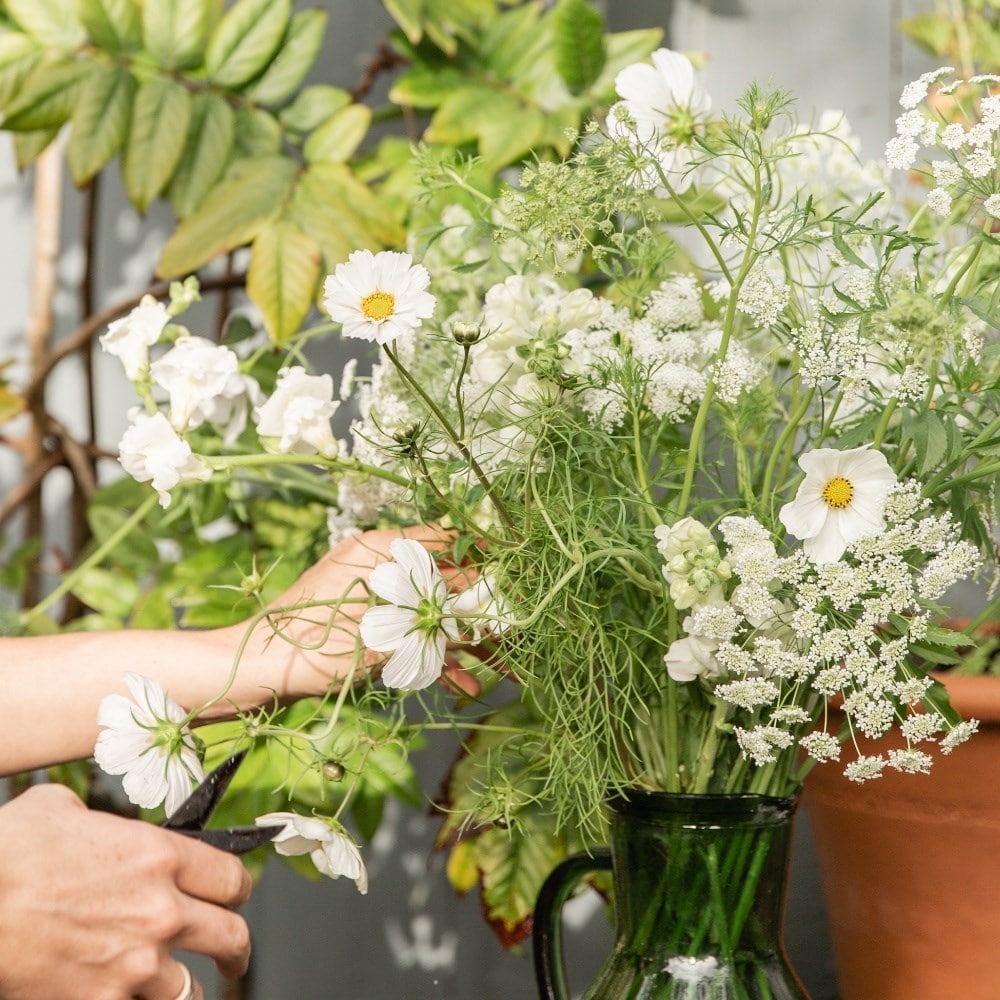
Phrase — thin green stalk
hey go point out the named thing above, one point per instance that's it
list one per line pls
(220, 463)
(785, 439)
(94, 559)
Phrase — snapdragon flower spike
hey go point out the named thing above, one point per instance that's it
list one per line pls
(416, 623)
(145, 741)
(841, 500)
(378, 296)
(332, 851)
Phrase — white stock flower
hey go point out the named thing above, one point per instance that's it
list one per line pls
(378, 296)
(332, 852)
(692, 657)
(144, 741)
(416, 623)
(152, 451)
(130, 337)
(204, 383)
(662, 106)
(298, 412)
(840, 501)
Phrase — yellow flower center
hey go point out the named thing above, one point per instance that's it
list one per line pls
(379, 305)
(838, 493)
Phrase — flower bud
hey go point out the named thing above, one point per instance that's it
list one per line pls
(466, 334)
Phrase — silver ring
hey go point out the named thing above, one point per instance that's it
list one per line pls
(187, 988)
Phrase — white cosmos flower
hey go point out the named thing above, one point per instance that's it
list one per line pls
(151, 450)
(298, 413)
(144, 740)
(486, 610)
(661, 109)
(203, 382)
(378, 296)
(841, 500)
(130, 337)
(416, 623)
(332, 852)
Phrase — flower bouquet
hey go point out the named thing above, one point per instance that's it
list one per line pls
(709, 416)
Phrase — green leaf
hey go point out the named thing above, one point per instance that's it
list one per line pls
(135, 552)
(293, 61)
(339, 136)
(206, 153)
(48, 96)
(282, 278)
(313, 106)
(19, 55)
(109, 592)
(245, 40)
(174, 31)
(160, 119)
(100, 121)
(257, 133)
(112, 24)
(579, 43)
(250, 194)
(341, 213)
(28, 146)
(153, 611)
(54, 23)
(513, 864)
(425, 87)
(930, 440)
(933, 32)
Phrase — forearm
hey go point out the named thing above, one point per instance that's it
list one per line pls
(53, 684)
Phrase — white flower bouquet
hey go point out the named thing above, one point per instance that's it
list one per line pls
(713, 419)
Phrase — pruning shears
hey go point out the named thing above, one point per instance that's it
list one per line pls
(193, 813)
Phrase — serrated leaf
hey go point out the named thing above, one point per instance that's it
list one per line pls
(19, 54)
(461, 867)
(52, 22)
(933, 32)
(112, 24)
(100, 121)
(579, 43)
(160, 118)
(282, 278)
(28, 146)
(513, 864)
(339, 136)
(205, 155)
(294, 59)
(230, 216)
(313, 106)
(341, 213)
(48, 96)
(442, 21)
(174, 31)
(257, 133)
(245, 40)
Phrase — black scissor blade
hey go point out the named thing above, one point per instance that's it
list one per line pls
(237, 840)
(193, 812)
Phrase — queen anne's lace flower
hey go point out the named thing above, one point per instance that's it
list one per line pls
(144, 740)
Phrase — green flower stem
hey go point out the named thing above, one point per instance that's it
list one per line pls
(981, 471)
(728, 326)
(989, 613)
(641, 470)
(705, 767)
(972, 257)
(94, 559)
(786, 440)
(883, 423)
(456, 439)
(221, 463)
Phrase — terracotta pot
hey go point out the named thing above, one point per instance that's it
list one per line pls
(910, 866)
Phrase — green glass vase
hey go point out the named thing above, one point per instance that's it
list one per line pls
(699, 890)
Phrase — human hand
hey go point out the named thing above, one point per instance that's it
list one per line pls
(91, 905)
(324, 641)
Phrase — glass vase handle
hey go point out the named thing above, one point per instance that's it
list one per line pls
(550, 970)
